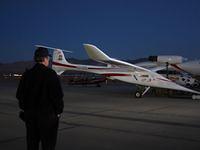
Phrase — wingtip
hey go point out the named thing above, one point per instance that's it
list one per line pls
(88, 45)
(37, 45)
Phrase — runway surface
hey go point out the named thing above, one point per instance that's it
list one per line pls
(109, 118)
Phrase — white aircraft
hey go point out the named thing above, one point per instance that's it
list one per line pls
(116, 69)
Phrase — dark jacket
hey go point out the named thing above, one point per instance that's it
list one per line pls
(40, 92)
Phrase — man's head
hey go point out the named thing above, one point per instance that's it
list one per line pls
(42, 56)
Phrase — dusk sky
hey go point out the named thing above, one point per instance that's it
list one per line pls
(124, 29)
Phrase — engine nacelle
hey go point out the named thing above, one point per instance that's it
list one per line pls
(167, 59)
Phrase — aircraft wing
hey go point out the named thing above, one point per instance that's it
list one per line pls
(97, 55)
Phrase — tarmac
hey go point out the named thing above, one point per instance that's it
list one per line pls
(109, 118)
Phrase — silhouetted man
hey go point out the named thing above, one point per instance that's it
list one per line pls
(41, 99)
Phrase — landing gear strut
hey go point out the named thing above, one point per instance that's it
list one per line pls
(139, 93)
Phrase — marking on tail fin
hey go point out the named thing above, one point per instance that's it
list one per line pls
(59, 56)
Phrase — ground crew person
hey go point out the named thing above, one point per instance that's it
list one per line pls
(40, 97)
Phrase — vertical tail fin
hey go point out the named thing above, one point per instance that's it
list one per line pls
(59, 62)
(59, 57)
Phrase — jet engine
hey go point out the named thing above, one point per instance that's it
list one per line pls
(167, 59)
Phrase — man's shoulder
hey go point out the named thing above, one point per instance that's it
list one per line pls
(50, 71)
(40, 69)
(27, 72)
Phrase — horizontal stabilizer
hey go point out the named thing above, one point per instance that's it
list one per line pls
(52, 48)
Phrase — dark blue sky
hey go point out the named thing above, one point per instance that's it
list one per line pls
(125, 29)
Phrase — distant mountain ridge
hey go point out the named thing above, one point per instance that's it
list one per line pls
(21, 66)
(15, 67)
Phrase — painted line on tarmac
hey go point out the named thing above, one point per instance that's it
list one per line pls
(136, 119)
(11, 139)
(131, 132)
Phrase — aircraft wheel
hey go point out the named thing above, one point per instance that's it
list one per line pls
(138, 94)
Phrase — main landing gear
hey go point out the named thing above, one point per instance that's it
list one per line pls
(141, 91)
